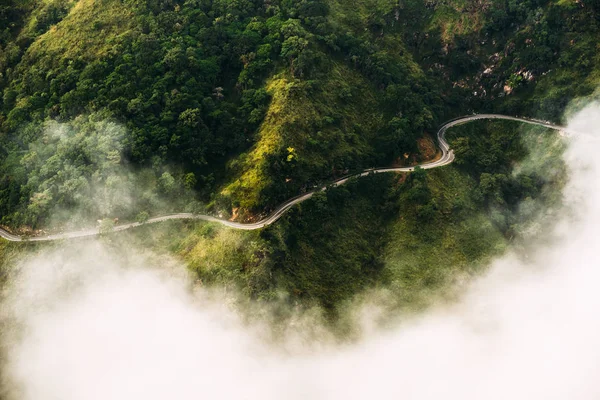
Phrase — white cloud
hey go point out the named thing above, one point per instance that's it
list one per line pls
(92, 325)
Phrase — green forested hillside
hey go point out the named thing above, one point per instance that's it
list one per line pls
(125, 108)
(210, 87)
(250, 102)
(412, 235)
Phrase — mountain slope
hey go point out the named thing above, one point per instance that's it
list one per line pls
(231, 107)
(192, 82)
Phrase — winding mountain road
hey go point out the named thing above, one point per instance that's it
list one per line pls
(446, 158)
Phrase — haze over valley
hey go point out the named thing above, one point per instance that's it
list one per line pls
(299, 199)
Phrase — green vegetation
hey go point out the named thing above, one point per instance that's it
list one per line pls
(464, 215)
(128, 108)
(328, 249)
(414, 237)
(250, 103)
(9, 254)
(75, 170)
(199, 83)
(518, 57)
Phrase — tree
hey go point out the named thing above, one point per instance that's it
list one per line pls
(166, 183)
(189, 181)
(142, 217)
(291, 49)
(107, 226)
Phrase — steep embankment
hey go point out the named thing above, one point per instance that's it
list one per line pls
(309, 131)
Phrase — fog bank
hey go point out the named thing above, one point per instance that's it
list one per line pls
(91, 325)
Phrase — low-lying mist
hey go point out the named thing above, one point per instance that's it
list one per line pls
(77, 172)
(89, 324)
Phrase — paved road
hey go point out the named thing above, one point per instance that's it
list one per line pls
(446, 158)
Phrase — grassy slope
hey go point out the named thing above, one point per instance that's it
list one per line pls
(323, 265)
(329, 249)
(322, 129)
(425, 256)
(88, 31)
(307, 128)
(457, 18)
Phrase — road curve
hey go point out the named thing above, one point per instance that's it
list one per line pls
(446, 158)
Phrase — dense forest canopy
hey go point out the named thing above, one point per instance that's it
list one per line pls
(241, 104)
